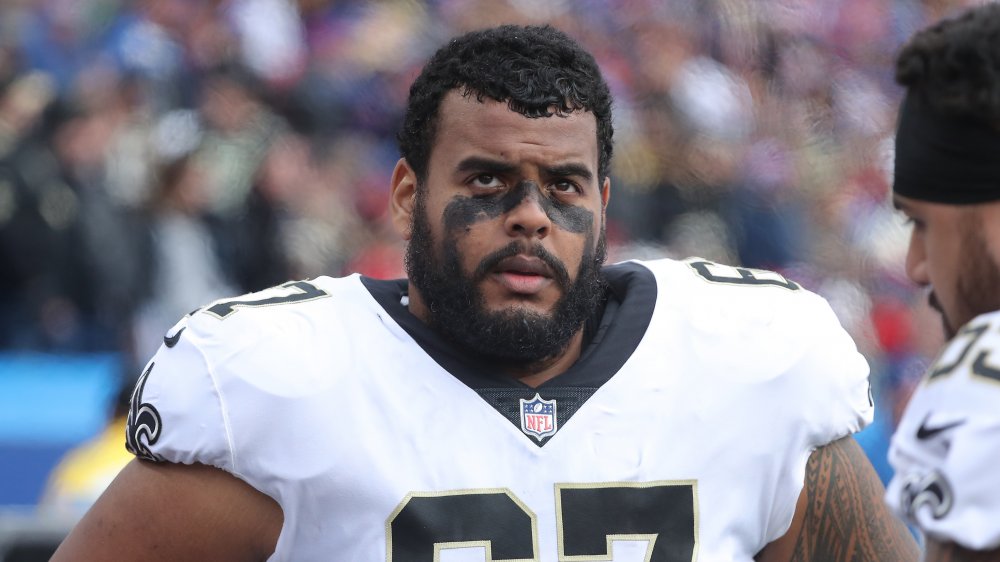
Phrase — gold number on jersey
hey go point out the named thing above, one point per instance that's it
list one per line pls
(969, 334)
(589, 519)
(291, 292)
(719, 273)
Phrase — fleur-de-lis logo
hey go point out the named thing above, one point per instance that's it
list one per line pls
(930, 490)
(143, 421)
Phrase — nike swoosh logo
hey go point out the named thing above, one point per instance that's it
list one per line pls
(171, 341)
(925, 432)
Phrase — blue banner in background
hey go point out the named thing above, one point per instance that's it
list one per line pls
(49, 404)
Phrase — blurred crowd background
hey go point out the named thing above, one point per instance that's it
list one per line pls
(158, 154)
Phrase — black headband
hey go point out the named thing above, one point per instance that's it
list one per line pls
(945, 159)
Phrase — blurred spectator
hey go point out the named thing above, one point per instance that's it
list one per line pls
(272, 39)
(239, 129)
(185, 266)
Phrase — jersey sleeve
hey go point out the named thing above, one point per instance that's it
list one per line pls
(176, 413)
(832, 378)
(785, 342)
(946, 449)
(779, 356)
(223, 388)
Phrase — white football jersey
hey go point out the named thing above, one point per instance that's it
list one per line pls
(681, 433)
(946, 450)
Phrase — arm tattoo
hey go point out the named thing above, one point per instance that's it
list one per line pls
(951, 552)
(845, 518)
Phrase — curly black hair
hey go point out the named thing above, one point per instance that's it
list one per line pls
(537, 71)
(955, 65)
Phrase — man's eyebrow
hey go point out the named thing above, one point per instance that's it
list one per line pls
(898, 205)
(569, 170)
(488, 165)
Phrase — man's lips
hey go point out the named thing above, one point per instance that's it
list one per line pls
(523, 274)
(525, 265)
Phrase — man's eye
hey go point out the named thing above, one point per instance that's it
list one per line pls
(487, 181)
(914, 223)
(566, 187)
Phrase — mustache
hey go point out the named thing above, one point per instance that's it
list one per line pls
(934, 303)
(490, 262)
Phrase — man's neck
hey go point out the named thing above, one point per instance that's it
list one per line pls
(547, 369)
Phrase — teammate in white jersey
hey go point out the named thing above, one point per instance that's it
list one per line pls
(512, 399)
(946, 450)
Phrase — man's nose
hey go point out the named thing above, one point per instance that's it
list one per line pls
(528, 217)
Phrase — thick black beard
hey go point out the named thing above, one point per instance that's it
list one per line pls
(977, 283)
(978, 286)
(511, 337)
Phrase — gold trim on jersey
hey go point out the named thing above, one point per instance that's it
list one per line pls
(438, 547)
(719, 273)
(286, 293)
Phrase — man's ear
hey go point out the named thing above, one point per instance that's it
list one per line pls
(402, 198)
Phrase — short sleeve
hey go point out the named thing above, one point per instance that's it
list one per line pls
(770, 335)
(176, 414)
(779, 354)
(838, 400)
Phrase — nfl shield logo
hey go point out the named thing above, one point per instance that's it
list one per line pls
(538, 417)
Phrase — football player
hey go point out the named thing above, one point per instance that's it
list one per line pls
(513, 398)
(947, 181)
